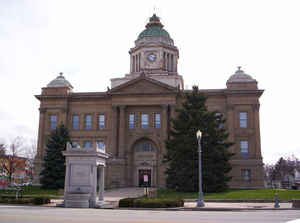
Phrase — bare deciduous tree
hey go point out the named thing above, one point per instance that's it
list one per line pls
(10, 161)
(30, 153)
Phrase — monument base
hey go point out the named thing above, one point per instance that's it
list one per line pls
(77, 200)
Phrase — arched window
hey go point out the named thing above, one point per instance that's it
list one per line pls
(145, 146)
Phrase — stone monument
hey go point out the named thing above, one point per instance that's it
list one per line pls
(81, 176)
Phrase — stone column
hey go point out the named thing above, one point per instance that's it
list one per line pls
(64, 116)
(175, 58)
(230, 122)
(67, 178)
(131, 64)
(114, 129)
(168, 62)
(94, 183)
(101, 184)
(164, 121)
(257, 130)
(40, 147)
(122, 127)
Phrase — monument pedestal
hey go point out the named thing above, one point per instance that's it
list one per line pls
(81, 176)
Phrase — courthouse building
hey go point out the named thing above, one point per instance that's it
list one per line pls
(130, 120)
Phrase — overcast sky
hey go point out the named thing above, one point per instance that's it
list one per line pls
(89, 42)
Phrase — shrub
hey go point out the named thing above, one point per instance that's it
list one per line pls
(151, 203)
(40, 200)
(15, 201)
(8, 199)
(126, 202)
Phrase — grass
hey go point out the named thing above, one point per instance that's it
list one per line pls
(33, 191)
(259, 194)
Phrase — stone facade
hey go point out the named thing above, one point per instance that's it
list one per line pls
(136, 112)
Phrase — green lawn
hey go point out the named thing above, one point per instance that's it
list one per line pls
(34, 191)
(260, 194)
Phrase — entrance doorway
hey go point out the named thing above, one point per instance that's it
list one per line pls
(144, 178)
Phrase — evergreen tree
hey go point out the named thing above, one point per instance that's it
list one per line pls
(53, 173)
(182, 147)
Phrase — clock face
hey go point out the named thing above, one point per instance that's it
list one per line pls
(151, 57)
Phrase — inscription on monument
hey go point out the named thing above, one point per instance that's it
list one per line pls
(80, 175)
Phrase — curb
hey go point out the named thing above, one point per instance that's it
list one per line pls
(208, 209)
(238, 201)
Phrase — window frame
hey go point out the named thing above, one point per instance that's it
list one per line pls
(101, 141)
(78, 124)
(51, 122)
(84, 143)
(219, 119)
(85, 122)
(74, 144)
(157, 122)
(243, 122)
(143, 125)
(131, 122)
(246, 177)
(100, 122)
(244, 153)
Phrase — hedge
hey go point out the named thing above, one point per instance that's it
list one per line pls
(27, 200)
(151, 203)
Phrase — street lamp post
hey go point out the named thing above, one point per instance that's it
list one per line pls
(200, 202)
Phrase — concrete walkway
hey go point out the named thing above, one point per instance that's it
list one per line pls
(120, 193)
(236, 206)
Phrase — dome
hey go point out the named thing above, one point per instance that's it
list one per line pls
(154, 28)
(240, 77)
(59, 81)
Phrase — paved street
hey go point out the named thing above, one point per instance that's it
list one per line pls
(37, 214)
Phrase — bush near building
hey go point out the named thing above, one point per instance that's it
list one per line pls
(151, 203)
(6, 199)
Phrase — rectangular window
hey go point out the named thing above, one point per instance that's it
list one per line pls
(101, 122)
(75, 122)
(246, 175)
(131, 121)
(243, 119)
(145, 121)
(87, 144)
(244, 148)
(88, 122)
(53, 122)
(219, 119)
(101, 145)
(74, 144)
(157, 121)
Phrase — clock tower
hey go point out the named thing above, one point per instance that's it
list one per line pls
(153, 55)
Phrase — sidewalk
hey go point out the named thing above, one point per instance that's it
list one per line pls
(113, 196)
(236, 206)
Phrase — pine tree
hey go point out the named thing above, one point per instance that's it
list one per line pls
(182, 147)
(53, 173)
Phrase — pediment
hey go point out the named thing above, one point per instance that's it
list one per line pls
(143, 85)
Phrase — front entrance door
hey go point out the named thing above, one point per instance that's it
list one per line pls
(144, 178)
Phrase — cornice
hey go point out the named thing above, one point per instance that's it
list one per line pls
(244, 91)
(133, 49)
(140, 78)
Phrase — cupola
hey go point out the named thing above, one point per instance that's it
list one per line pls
(58, 86)
(241, 80)
(154, 32)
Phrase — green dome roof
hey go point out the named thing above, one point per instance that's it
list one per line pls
(154, 28)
